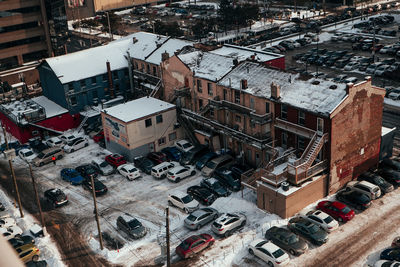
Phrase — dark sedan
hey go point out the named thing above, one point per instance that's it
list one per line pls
(201, 194)
(286, 240)
(157, 157)
(99, 187)
(391, 176)
(56, 197)
(87, 171)
(392, 164)
(308, 230)
(144, 164)
(377, 180)
(172, 153)
(204, 159)
(354, 198)
(225, 176)
(391, 254)
(18, 241)
(215, 186)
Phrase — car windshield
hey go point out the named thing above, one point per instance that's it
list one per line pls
(184, 245)
(187, 199)
(73, 174)
(90, 171)
(191, 218)
(346, 210)
(379, 181)
(328, 219)
(134, 224)
(98, 185)
(211, 164)
(278, 253)
(132, 170)
(186, 145)
(60, 196)
(216, 185)
(41, 155)
(103, 164)
(313, 229)
(292, 239)
(28, 153)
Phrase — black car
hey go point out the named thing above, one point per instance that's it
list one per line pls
(392, 164)
(87, 171)
(37, 145)
(215, 186)
(18, 241)
(202, 194)
(194, 154)
(237, 170)
(56, 197)
(287, 240)
(143, 164)
(99, 187)
(354, 198)
(308, 230)
(391, 176)
(225, 176)
(377, 180)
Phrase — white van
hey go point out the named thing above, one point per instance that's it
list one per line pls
(160, 171)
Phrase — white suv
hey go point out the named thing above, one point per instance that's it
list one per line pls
(183, 201)
(227, 223)
(76, 144)
(160, 171)
(373, 191)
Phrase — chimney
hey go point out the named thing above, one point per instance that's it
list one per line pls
(348, 87)
(110, 80)
(235, 62)
(275, 91)
(243, 84)
(134, 40)
(164, 56)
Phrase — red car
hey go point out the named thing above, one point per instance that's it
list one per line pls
(98, 137)
(157, 157)
(193, 245)
(337, 210)
(115, 160)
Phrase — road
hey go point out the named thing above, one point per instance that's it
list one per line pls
(73, 248)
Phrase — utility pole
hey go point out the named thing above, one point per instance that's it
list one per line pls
(109, 27)
(167, 237)
(97, 215)
(37, 198)
(18, 199)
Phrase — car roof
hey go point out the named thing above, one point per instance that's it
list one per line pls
(179, 194)
(338, 205)
(198, 213)
(183, 141)
(177, 168)
(320, 214)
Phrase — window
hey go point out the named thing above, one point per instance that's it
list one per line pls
(199, 89)
(283, 111)
(105, 76)
(284, 139)
(249, 154)
(302, 118)
(142, 67)
(159, 118)
(252, 124)
(135, 65)
(94, 94)
(237, 97)
(200, 103)
(238, 118)
(172, 136)
(209, 89)
(161, 141)
(73, 100)
(148, 122)
(154, 71)
(71, 87)
(82, 83)
(252, 103)
(115, 74)
(301, 143)
(117, 87)
(267, 110)
(211, 112)
(148, 68)
(126, 72)
(225, 94)
(93, 80)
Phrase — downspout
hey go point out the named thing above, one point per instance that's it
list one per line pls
(130, 72)
(110, 80)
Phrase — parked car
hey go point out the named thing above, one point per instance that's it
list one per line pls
(225, 176)
(21, 240)
(102, 166)
(99, 187)
(213, 164)
(183, 145)
(26, 154)
(204, 159)
(67, 137)
(28, 252)
(268, 252)
(286, 240)
(337, 210)
(372, 68)
(173, 153)
(76, 144)
(392, 254)
(194, 244)
(6, 222)
(356, 199)
(47, 156)
(371, 190)
(56, 197)
(391, 163)
(351, 66)
(115, 160)
(324, 220)
(391, 176)
(72, 176)
(87, 171)
(129, 171)
(200, 217)
(98, 137)
(157, 157)
(191, 156)
(386, 263)
(131, 226)
(160, 171)
(143, 164)
(37, 145)
(381, 70)
(215, 186)
(396, 242)
(183, 201)
(180, 172)
(308, 230)
(384, 186)
(54, 141)
(11, 145)
(11, 232)
(201, 194)
(227, 223)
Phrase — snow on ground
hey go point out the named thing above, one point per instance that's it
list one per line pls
(47, 247)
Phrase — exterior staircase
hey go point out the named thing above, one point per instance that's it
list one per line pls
(189, 129)
(81, 125)
(157, 87)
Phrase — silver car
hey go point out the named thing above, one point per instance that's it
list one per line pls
(201, 217)
(227, 223)
(102, 166)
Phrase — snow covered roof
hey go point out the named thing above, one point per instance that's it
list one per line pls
(243, 53)
(144, 44)
(137, 109)
(207, 65)
(52, 109)
(170, 46)
(315, 97)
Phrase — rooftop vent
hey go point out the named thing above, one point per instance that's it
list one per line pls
(333, 86)
(315, 82)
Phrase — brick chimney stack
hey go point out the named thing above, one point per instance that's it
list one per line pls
(275, 90)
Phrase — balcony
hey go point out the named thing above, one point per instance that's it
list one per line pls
(294, 128)
(146, 77)
(256, 118)
(298, 175)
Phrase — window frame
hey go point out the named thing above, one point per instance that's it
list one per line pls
(302, 117)
(284, 112)
(158, 120)
(147, 124)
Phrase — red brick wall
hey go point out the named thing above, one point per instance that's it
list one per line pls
(277, 63)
